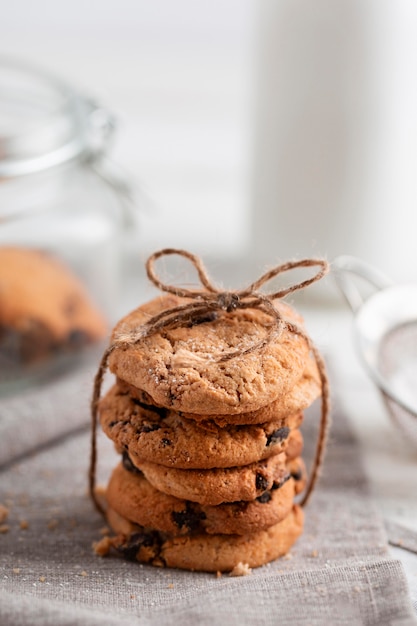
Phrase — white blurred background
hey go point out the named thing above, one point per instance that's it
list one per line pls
(256, 130)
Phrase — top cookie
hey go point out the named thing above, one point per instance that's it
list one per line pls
(178, 367)
(43, 306)
(305, 391)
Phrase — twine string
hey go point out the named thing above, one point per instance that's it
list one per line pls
(250, 291)
(212, 299)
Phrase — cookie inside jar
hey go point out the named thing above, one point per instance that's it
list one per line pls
(47, 316)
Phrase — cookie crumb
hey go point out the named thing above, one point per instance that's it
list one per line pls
(102, 547)
(16, 570)
(132, 596)
(84, 573)
(42, 579)
(4, 528)
(286, 557)
(170, 586)
(241, 569)
(315, 554)
(219, 574)
(24, 524)
(4, 513)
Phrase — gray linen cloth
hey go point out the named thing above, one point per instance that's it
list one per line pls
(339, 572)
(43, 413)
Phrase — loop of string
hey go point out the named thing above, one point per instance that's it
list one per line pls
(200, 302)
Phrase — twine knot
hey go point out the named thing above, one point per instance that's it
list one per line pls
(228, 301)
(201, 302)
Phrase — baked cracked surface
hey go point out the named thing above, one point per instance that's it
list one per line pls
(178, 367)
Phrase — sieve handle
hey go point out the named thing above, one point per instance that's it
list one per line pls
(345, 267)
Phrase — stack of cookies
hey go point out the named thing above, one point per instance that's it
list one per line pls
(210, 449)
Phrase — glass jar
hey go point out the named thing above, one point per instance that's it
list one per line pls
(61, 222)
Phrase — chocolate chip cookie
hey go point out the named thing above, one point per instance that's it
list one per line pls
(132, 496)
(44, 309)
(215, 486)
(204, 552)
(165, 437)
(302, 395)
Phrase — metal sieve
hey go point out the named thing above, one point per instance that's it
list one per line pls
(385, 325)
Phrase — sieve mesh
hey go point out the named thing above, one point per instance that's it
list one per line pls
(398, 366)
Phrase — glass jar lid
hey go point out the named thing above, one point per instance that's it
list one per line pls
(45, 123)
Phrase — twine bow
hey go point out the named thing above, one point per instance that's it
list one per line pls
(212, 300)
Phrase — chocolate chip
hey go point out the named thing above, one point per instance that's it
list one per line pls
(278, 435)
(135, 542)
(297, 475)
(114, 423)
(128, 465)
(189, 518)
(171, 396)
(278, 484)
(261, 482)
(265, 497)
